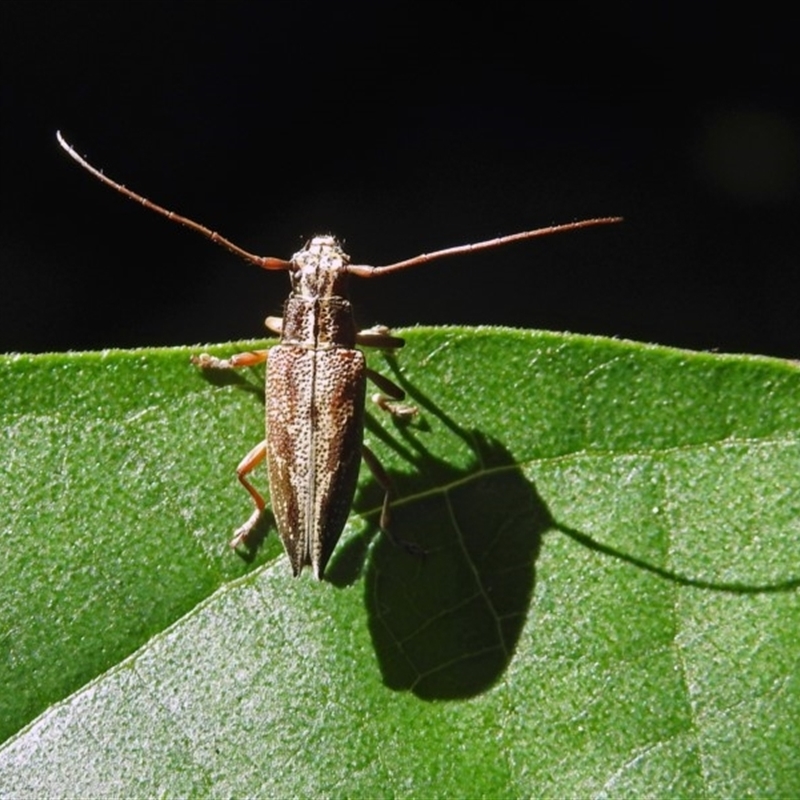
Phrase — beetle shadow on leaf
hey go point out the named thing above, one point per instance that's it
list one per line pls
(445, 624)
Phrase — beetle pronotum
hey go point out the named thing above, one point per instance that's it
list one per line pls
(316, 386)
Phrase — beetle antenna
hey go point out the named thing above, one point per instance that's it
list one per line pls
(265, 262)
(366, 271)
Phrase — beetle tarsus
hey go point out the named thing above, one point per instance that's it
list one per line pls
(243, 533)
(399, 410)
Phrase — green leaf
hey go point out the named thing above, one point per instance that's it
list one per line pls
(607, 603)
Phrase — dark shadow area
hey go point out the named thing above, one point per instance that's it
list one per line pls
(445, 625)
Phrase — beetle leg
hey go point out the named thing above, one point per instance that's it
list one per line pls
(380, 475)
(379, 336)
(246, 466)
(274, 324)
(390, 391)
(250, 359)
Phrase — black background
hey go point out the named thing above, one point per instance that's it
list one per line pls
(401, 128)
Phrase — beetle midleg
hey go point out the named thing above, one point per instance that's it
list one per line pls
(390, 391)
(246, 466)
(249, 359)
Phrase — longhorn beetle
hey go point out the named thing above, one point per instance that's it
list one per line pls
(316, 386)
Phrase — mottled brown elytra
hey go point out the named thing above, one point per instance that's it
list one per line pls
(316, 386)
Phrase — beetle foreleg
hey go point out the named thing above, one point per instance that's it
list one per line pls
(246, 466)
(274, 324)
(379, 336)
(250, 359)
